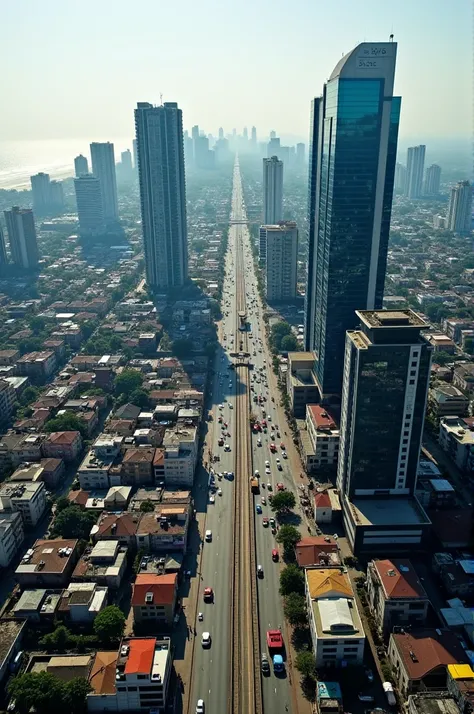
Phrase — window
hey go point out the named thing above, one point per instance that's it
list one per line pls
(350, 649)
(405, 441)
(413, 373)
(412, 381)
(329, 649)
(350, 656)
(416, 606)
(142, 676)
(121, 689)
(132, 689)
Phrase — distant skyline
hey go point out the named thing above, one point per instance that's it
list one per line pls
(78, 70)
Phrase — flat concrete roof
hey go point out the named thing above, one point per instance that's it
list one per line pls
(389, 511)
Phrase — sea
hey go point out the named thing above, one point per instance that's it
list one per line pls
(21, 159)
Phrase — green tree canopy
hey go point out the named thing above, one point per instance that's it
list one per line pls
(128, 381)
(306, 664)
(75, 693)
(40, 690)
(147, 506)
(288, 536)
(56, 641)
(72, 522)
(140, 398)
(294, 608)
(291, 580)
(289, 343)
(30, 394)
(283, 501)
(62, 503)
(67, 422)
(109, 624)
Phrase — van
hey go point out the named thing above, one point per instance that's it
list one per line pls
(208, 536)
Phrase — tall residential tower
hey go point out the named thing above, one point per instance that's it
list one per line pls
(159, 133)
(22, 237)
(415, 171)
(460, 209)
(90, 208)
(272, 191)
(354, 133)
(103, 168)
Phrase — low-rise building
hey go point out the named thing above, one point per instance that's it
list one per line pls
(420, 658)
(38, 366)
(301, 383)
(323, 434)
(134, 679)
(447, 400)
(164, 530)
(48, 564)
(336, 628)
(16, 449)
(28, 472)
(318, 552)
(395, 594)
(7, 400)
(65, 445)
(456, 437)
(122, 527)
(38, 605)
(461, 686)
(154, 599)
(105, 564)
(11, 537)
(431, 703)
(441, 343)
(137, 466)
(180, 457)
(8, 357)
(82, 602)
(25, 497)
(117, 498)
(53, 470)
(463, 377)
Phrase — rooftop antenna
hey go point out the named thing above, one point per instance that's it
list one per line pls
(391, 37)
(161, 99)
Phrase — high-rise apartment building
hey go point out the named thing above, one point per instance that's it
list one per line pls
(281, 260)
(90, 207)
(221, 133)
(41, 189)
(274, 147)
(432, 180)
(126, 158)
(400, 177)
(22, 237)
(135, 157)
(300, 156)
(415, 171)
(354, 133)
(254, 136)
(246, 133)
(103, 168)
(162, 193)
(3, 250)
(81, 167)
(272, 191)
(460, 209)
(386, 380)
(56, 196)
(272, 135)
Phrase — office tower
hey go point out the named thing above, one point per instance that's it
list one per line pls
(300, 154)
(281, 258)
(432, 180)
(90, 206)
(400, 177)
(3, 250)
(415, 171)
(188, 150)
(354, 131)
(386, 380)
(103, 168)
(126, 157)
(81, 166)
(273, 147)
(272, 191)
(222, 151)
(284, 155)
(460, 209)
(195, 131)
(56, 196)
(254, 136)
(234, 133)
(162, 193)
(221, 133)
(22, 237)
(41, 189)
(246, 133)
(135, 158)
(272, 135)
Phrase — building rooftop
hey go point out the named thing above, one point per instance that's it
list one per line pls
(399, 579)
(324, 583)
(140, 657)
(432, 703)
(116, 525)
(20, 490)
(161, 587)
(317, 550)
(321, 417)
(47, 556)
(63, 437)
(422, 651)
(391, 318)
(141, 455)
(102, 675)
(388, 511)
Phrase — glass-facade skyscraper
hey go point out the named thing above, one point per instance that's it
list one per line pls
(353, 147)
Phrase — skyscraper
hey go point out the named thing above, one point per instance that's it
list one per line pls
(460, 209)
(90, 208)
(400, 177)
(221, 133)
(432, 180)
(162, 193)
(272, 135)
(56, 196)
(81, 167)
(300, 154)
(281, 251)
(103, 168)
(386, 380)
(41, 189)
(254, 136)
(246, 133)
(135, 158)
(273, 147)
(3, 250)
(126, 157)
(272, 191)
(415, 171)
(354, 132)
(22, 237)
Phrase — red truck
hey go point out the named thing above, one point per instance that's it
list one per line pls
(274, 641)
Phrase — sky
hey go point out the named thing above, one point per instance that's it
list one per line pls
(75, 68)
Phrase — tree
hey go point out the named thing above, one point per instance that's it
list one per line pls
(140, 398)
(128, 381)
(40, 690)
(291, 580)
(182, 348)
(67, 422)
(147, 506)
(75, 693)
(283, 501)
(62, 503)
(306, 664)
(72, 522)
(109, 624)
(289, 343)
(288, 536)
(294, 607)
(56, 641)
(30, 394)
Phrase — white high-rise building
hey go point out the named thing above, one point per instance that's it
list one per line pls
(81, 167)
(415, 171)
(400, 177)
(272, 191)
(41, 189)
(281, 259)
(89, 202)
(103, 168)
(159, 132)
(432, 180)
(3, 250)
(22, 237)
(460, 208)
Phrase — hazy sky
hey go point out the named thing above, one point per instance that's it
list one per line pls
(76, 68)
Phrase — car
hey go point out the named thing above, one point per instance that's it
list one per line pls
(365, 697)
(268, 472)
(265, 522)
(226, 447)
(206, 639)
(282, 446)
(221, 406)
(270, 487)
(275, 555)
(231, 406)
(265, 664)
(219, 492)
(267, 463)
(279, 466)
(208, 595)
(200, 706)
(259, 442)
(284, 454)
(212, 499)
(208, 536)
(269, 417)
(259, 571)
(277, 461)
(263, 499)
(272, 522)
(258, 508)
(256, 473)
(280, 487)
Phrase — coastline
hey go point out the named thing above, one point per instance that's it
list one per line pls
(24, 183)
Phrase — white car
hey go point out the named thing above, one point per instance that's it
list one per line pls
(284, 454)
(226, 447)
(267, 463)
(200, 706)
(268, 471)
(206, 639)
(219, 492)
(259, 442)
(208, 536)
(263, 501)
(269, 417)
(231, 406)
(212, 499)
(256, 473)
